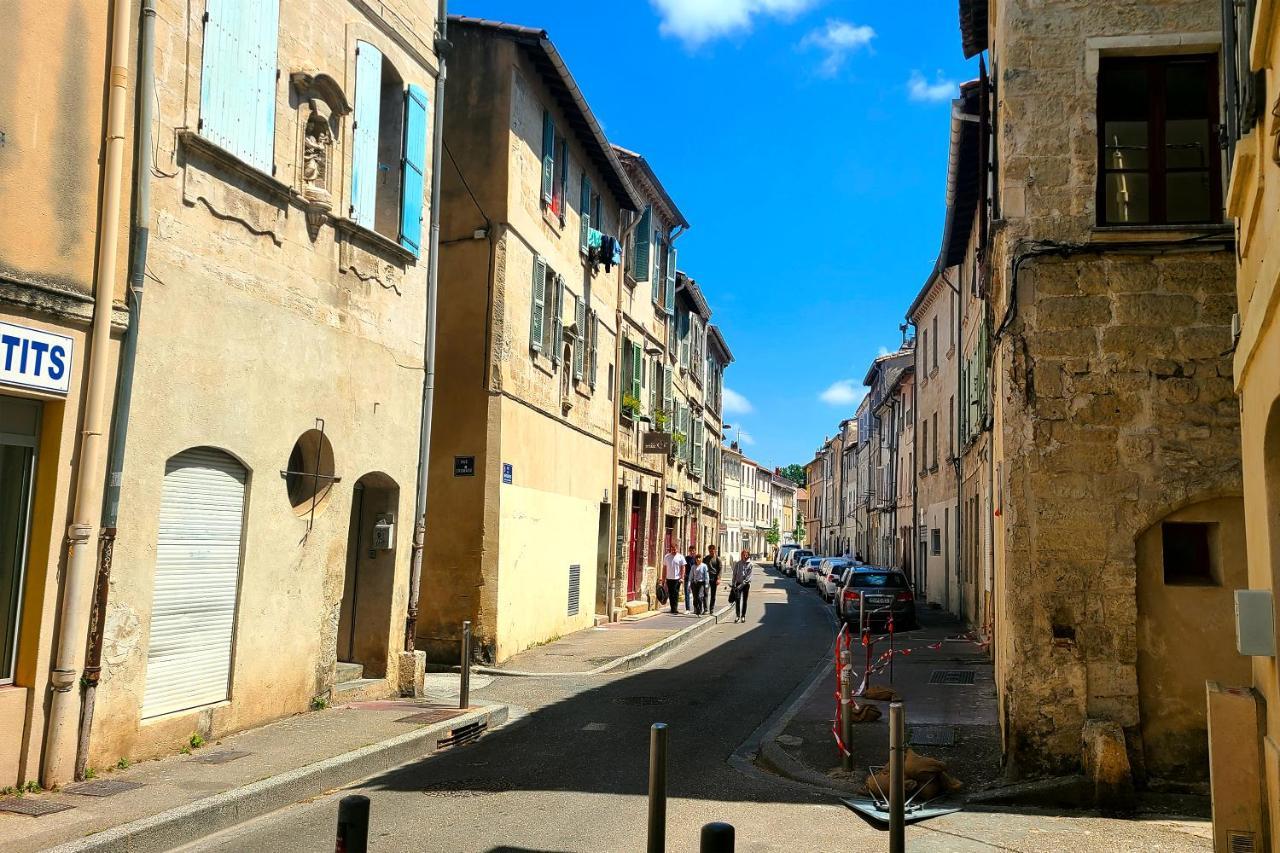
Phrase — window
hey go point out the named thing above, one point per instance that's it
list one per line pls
(935, 542)
(951, 427)
(1189, 549)
(935, 343)
(555, 167)
(935, 439)
(1157, 146)
(641, 249)
(389, 150)
(238, 79)
(585, 213)
(310, 474)
(545, 325)
(19, 428)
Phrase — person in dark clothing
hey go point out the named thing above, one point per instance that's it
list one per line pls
(712, 561)
(741, 583)
(698, 581)
(673, 571)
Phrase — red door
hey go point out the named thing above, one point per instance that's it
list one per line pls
(693, 534)
(634, 573)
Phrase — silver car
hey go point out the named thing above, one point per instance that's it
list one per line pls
(830, 573)
(807, 571)
(795, 558)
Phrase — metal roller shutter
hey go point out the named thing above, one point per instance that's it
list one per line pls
(196, 583)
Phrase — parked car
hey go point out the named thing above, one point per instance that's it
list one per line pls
(795, 558)
(877, 593)
(807, 571)
(783, 554)
(829, 575)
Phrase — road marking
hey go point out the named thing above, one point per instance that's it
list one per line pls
(595, 727)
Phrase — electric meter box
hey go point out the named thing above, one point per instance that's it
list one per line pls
(1255, 625)
(384, 533)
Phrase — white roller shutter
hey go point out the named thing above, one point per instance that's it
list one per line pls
(196, 584)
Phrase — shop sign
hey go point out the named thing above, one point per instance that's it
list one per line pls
(35, 359)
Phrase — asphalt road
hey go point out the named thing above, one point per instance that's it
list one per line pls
(571, 775)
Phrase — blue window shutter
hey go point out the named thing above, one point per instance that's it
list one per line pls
(539, 304)
(585, 208)
(238, 79)
(364, 148)
(641, 239)
(413, 167)
(548, 156)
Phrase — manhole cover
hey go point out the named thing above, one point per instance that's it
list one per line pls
(932, 736)
(32, 807)
(642, 701)
(220, 757)
(951, 676)
(102, 788)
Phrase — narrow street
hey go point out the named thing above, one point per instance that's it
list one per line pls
(570, 774)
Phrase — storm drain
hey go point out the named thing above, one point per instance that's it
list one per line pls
(220, 757)
(642, 701)
(932, 736)
(31, 807)
(425, 718)
(951, 676)
(462, 735)
(102, 788)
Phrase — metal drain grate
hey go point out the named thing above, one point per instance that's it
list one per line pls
(32, 807)
(641, 701)
(102, 788)
(438, 715)
(932, 736)
(465, 734)
(951, 676)
(220, 757)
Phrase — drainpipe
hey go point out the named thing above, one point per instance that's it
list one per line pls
(68, 655)
(124, 380)
(957, 461)
(922, 566)
(429, 342)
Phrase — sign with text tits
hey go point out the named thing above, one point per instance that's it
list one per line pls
(31, 358)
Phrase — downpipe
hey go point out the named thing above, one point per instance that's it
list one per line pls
(429, 342)
(124, 380)
(68, 653)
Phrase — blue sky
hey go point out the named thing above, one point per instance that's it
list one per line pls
(806, 142)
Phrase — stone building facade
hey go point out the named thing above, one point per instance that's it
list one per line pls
(1119, 521)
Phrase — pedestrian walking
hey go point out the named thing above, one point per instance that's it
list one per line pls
(698, 580)
(673, 567)
(740, 585)
(713, 575)
(690, 560)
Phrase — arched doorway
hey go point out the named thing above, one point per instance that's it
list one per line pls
(364, 619)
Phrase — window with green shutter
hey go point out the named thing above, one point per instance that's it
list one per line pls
(641, 239)
(668, 393)
(557, 321)
(637, 368)
(585, 208)
(671, 283)
(594, 327)
(548, 157)
(579, 338)
(538, 309)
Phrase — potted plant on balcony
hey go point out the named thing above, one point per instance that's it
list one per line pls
(630, 405)
(662, 420)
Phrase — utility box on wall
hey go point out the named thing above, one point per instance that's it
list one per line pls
(384, 533)
(1255, 623)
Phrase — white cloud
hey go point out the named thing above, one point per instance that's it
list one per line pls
(736, 404)
(838, 39)
(920, 89)
(745, 437)
(698, 21)
(842, 393)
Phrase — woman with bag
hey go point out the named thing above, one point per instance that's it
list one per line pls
(740, 585)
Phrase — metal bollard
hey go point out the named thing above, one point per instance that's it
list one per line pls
(716, 838)
(897, 794)
(658, 788)
(846, 710)
(353, 825)
(464, 683)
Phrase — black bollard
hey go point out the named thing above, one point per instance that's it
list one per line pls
(717, 838)
(353, 825)
(657, 842)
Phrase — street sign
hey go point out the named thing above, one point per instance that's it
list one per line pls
(464, 466)
(508, 473)
(655, 442)
(32, 358)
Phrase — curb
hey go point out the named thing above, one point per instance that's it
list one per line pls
(202, 818)
(626, 663)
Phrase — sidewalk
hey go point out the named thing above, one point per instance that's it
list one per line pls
(615, 647)
(161, 804)
(955, 722)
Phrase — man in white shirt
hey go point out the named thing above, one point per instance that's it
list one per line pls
(673, 569)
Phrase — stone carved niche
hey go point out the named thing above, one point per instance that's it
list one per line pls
(321, 107)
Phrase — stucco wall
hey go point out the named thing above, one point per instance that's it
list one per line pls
(262, 326)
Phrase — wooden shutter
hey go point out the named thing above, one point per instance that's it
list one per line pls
(197, 579)
(637, 366)
(668, 395)
(697, 448)
(548, 156)
(682, 334)
(413, 160)
(579, 343)
(641, 238)
(594, 325)
(557, 321)
(671, 279)
(655, 387)
(364, 137)
(536, 318)
(585, 208)
(238, 79)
